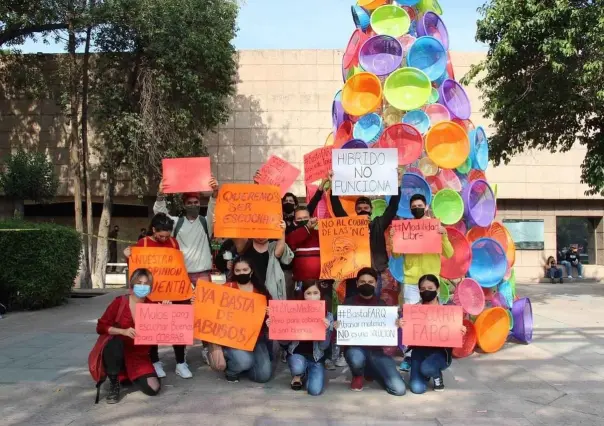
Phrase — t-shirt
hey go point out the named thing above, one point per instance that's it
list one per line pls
(305, 347)
(260, 263)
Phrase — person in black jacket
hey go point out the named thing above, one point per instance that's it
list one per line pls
(572, 259)
(428, 362)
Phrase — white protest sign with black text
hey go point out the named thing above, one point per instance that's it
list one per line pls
(367, 325)
(365, 171)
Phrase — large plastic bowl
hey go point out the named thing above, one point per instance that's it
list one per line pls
(447, 144)
(522, 312)
(419, 119)
(351, 54)
(492, 329)
(360, 17)
(406, 139)
(432, 25)
(390, 20)
(427, 167)
(499, 233)
(381, 55)
(469, 341)
(469, 296)
(392, 116)
(480, 144)
(368, 128)
(480, 204)
(449, 179)
(343, 134)
(371, 4)
(337, 111)
(437, 113)
(412, 184)
(457, 266)
(455, 98)
(407, 89)
(378, 208)
(355, 144)
(429, 6)
(447, 206)
(489, 262)
(362, 94)
(429, 55)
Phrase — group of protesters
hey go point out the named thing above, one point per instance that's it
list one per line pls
(288, 268)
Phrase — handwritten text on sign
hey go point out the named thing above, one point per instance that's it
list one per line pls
(296, 320)
(163, 324)
(367, 325)
(248, 211)
(344, 244)
(317, 164)
(277, 171)
(170, 278)
(228, 317)
(433, 325)
(417, 236)
(365, 171)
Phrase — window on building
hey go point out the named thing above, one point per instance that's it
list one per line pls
(579, 232)
(528, 234)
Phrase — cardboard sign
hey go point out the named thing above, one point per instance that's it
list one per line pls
(297, 320)
(228, 317)
(433, 325)
(277, 171)
(248, 211)
(170, 278)
(344, 244)
(317, 164)
(186, 175)
(365, 171)
(158, 324)
(367, 325)
(417, 236)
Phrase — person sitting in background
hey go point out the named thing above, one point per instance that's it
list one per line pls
(142, 235)
(553, 271)
(123, 359)
(572, 259)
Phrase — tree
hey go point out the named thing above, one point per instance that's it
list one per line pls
(22, 19)
(28, 176)
(542, 79)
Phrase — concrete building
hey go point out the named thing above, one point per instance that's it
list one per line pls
(283, 107)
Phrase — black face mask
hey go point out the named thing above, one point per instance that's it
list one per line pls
(242, 278)
(301, 223)
(428, 295)
(364, 213)
(366, 290)
(289, 208)
(192, 210)
(418, 212)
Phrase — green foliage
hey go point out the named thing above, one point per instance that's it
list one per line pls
(542, 79)
(40, 266)
(20, 20)
(29, 176)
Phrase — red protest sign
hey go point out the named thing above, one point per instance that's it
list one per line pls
(417, 236)
(317, 164)
(182, 175)
(158, 324)
(433, 325)
(296, 320)
(277, 171)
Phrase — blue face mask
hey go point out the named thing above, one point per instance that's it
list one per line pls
(141, 290)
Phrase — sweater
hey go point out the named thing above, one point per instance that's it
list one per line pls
(304, 243)
(192, 237)
(417, 265)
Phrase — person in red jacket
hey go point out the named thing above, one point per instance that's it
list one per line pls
(304, 242)
(122, 359)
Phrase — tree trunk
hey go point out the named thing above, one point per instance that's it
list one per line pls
(18, 209)
(83, 279)
(100, 268)
(85, 150)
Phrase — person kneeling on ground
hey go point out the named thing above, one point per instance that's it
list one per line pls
(123, 359)
(428, 362)
(553, 271)
(379, 365)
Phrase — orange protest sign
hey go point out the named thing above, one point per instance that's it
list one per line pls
(248, 211)
(417, 236)
(186, 175)
(277, 171)
(317, 164)
(158, 324)
(344, 244)
(228, 317)
(433, 325)
(296, 320)
(170, 278)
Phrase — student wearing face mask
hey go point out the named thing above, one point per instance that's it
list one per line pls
(161, 236)
(289, 203)
(122, 359)
(429, 362)
(417, 265)
(371, 361)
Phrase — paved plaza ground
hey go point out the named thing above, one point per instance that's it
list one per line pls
(557, 380)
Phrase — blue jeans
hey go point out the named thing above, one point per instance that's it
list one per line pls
(569, 268)
(257, 363)
(313, 372)
(554, 273)
(379, 365)
(425, 365)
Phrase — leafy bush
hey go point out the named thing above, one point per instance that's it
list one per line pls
(39, 265)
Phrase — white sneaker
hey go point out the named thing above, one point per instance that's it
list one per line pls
(341, 361)
(570, 277)
(159, 369)
(329, 365)
(580, 277)
(183, 371)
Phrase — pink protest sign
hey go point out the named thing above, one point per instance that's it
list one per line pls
(182, 175)
(417, 236)
(277, 171)
(296, 320)
(317, 164)
(433, 325)
(158, 324)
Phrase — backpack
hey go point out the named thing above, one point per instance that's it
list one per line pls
(95, 358)
(181, 220)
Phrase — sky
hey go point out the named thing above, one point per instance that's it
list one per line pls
(320, 24)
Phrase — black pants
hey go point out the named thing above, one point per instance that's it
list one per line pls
(113, 256)
(113, 360)
(179, 353)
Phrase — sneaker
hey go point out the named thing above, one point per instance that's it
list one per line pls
(439, 384)
(561, 281)
(580, 277)
(552, 281)
(231, 379)
(329, 365)
(159, 369)
(284, 356)
(183, 371)
(357, 383)
(204, 355)
(113, 397)
(570, 277)
(341, 361)
(405, 366)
